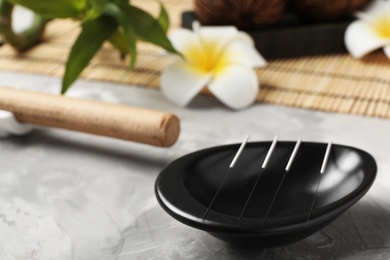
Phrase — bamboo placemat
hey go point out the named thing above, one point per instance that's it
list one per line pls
(336, 83)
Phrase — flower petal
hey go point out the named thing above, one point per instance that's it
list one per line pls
(360, 39)
(386, 49)
(181, 82)
(214, 38)
(186, 42)
(246, 37)
(216, 34)
(373, 8)
(239, 51)
(9, 125)
(236, 86)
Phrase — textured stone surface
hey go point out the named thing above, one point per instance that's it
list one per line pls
(67, 195)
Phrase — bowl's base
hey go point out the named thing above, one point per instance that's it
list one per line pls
(260, 241)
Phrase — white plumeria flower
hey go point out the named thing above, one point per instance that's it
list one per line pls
(371, 31)
(221, 58)
(9, 125)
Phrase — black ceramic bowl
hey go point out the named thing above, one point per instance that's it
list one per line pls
(187, 186)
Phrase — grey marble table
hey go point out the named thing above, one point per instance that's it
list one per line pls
(67, 195)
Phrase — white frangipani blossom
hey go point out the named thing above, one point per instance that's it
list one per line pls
(371, 31)
(9, 125)
(220, 58)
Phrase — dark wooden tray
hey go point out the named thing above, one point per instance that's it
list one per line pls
(291, 37)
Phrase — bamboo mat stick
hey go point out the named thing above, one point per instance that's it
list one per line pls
(334, 82)
(123, 122)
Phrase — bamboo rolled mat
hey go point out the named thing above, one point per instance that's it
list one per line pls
(335, 83)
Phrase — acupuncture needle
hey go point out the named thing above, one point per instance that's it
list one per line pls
(288, 166)
(323, 168)
(271, 150)
(265, 163)
(231, 166)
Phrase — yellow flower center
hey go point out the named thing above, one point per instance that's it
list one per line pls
(207, 57)
(382, 26)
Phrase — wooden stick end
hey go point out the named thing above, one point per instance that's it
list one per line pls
(171, 128)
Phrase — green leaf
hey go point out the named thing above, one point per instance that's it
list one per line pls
(125, 21)
(54, 9)
(121, 2)
(92, 14)
(95, 10)
(98, 5)
(163, 18)
(119, 41)
(148, 28)
(91, 38)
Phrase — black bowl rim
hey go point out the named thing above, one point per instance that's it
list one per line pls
(247, 226)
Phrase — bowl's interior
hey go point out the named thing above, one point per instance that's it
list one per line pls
(344, 174)
(187, 186)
